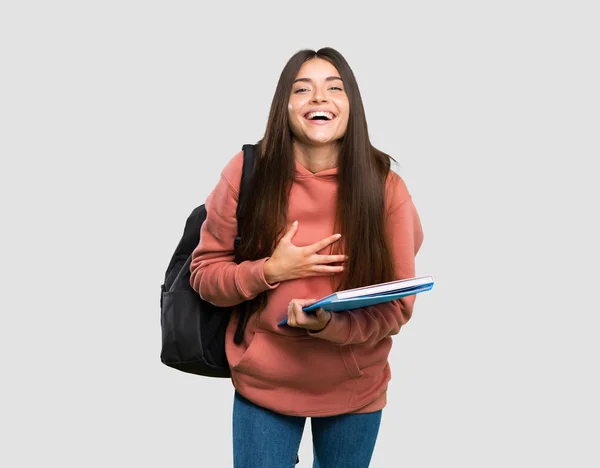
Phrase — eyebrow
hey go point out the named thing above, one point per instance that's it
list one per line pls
(308, 80)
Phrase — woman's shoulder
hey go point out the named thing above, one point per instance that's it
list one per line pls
(232, 172)
(396, 191)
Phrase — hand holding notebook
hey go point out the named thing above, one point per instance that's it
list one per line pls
(370, 295)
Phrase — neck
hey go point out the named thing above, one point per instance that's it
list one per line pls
(316, 158)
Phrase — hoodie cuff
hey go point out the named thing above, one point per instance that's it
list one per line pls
(337, 330)
(250, 278)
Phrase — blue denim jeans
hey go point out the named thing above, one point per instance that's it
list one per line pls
(265, 439)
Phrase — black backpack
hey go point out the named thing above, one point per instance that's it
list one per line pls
(193, 330)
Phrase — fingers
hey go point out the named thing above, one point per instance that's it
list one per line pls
(326, 269)
(314, 248)
(291, 232)
(295, 314)
(332, 258)
(302, 302)
(298, 318)
(291, 313)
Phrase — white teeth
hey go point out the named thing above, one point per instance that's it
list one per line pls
(312, 115)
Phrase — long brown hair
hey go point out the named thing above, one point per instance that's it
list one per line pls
(362, 172)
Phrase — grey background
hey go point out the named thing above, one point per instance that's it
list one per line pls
(115, 121)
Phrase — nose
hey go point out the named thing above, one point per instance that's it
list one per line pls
(318, 95)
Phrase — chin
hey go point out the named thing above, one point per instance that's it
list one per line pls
(322, 140)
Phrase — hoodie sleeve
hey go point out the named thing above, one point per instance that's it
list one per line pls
(214, 274)
(371, 324)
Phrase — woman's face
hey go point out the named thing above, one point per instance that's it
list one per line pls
(318, 106)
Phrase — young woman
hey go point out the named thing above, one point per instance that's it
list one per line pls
(326, 213)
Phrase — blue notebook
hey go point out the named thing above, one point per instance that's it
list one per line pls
(370, 295)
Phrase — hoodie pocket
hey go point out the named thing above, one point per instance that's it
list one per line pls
(247, 357)
(298, 361)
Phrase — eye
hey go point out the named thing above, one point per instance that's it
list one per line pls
(300, 90)
(336, 88)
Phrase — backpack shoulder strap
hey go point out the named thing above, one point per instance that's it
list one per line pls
(247, 168)
(249, 153)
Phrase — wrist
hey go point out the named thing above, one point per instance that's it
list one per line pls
(269, 274)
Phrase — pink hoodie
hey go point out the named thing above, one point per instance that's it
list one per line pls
(341, 369)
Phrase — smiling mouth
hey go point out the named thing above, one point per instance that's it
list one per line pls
(319, 115)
